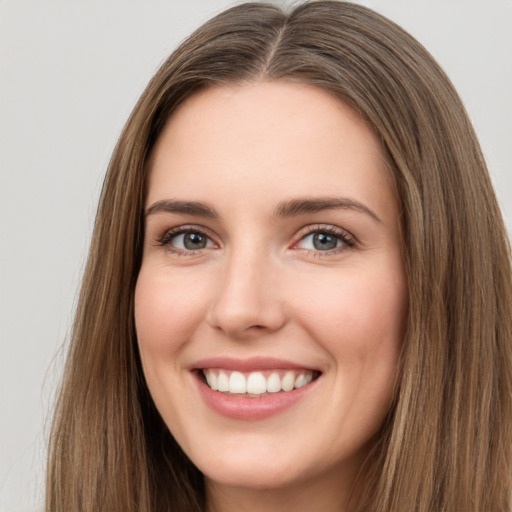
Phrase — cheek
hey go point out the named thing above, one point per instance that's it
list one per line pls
(166, 311)
(359, 321)
(369, 305)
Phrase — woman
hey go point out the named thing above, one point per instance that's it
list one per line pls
(298, 294)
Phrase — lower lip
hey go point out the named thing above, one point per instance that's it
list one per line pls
(245, 408)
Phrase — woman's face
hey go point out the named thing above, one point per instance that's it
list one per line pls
(272, 268)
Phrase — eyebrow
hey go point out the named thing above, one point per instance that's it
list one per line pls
(299, 206)
(185, 207)
(291, 208)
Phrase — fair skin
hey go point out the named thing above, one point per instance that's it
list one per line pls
(272, 246)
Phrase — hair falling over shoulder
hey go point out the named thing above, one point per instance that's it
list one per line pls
(447, 441)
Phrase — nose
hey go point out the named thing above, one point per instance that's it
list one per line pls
(248, 302)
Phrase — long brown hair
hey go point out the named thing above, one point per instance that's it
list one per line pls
(446, 444)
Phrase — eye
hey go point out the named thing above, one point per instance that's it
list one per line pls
(325, 239)
(186, 240)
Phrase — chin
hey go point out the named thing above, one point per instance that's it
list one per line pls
(257, 478)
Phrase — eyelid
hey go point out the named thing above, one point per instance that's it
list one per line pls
(347, 239)
(166, 235)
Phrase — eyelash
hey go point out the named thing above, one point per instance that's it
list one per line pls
(347, 240)
(170, 234)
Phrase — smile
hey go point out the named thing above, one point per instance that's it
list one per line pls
(255, 388)
(256, 384)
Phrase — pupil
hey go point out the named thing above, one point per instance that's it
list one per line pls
(324, 242)
(194, 241)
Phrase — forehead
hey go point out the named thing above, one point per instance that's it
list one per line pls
(257, 110)
(276, 138)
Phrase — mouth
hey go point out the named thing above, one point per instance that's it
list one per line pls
(253, 389)
(257, 384)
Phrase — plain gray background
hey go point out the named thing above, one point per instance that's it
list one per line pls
(70, 72)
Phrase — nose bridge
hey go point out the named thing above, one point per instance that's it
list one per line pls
(247, 300)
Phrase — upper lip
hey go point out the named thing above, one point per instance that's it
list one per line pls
(250, 364)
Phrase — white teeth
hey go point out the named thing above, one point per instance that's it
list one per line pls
(288, 381)
(302, 379)
(273, 383)
(223, 382)
(211, 378)
(255, 383)
(237, 383)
